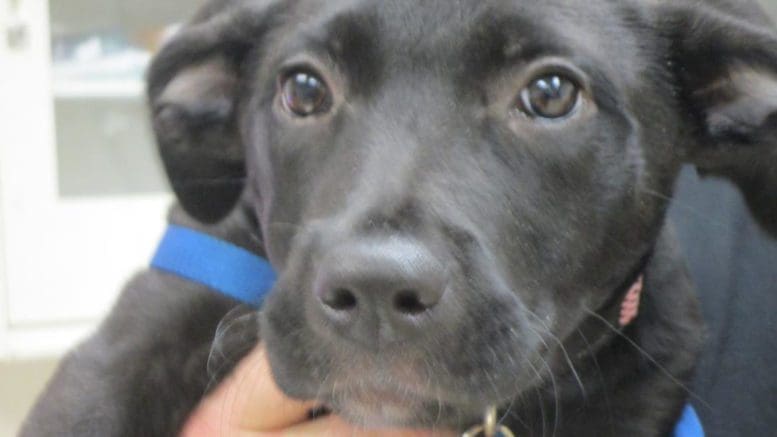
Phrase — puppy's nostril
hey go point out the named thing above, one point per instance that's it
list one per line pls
(341, 299)
(408, 302)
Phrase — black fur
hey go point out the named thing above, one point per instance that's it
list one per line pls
(539, 225)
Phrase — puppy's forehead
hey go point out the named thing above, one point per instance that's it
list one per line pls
(478, 31)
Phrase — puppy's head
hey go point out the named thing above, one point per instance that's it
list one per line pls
(448, 189)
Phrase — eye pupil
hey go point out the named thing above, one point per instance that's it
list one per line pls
(304, 94)
(551, 96)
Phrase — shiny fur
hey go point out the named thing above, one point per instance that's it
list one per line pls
(541, 226)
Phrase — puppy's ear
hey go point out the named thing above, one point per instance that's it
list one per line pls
(726, 69)
(194, 88)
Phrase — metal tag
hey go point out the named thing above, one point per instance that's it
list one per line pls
(490, 427)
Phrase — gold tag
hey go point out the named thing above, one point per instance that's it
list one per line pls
(490, 427)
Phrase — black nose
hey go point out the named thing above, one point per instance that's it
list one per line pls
(380, 290)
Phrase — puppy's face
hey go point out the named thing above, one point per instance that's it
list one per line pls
(503, 150)
(447, 189)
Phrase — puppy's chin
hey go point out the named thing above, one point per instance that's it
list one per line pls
(379, 414)
(380, 408)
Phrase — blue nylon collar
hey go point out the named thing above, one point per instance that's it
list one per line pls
(248, 278)
(222, 266)
(689, 424)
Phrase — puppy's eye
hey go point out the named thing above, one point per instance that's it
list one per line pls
(304, 93)
(550, 96)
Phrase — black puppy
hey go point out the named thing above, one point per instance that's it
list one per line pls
(457, 195)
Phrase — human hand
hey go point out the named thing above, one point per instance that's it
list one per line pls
(249, 404)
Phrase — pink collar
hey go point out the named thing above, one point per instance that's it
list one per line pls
(630, 304)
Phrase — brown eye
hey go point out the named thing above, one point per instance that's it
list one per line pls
(552, 97)
(304, 93)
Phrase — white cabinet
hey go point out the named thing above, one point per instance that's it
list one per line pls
(82, 195)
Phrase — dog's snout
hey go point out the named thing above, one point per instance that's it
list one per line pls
(377, 289)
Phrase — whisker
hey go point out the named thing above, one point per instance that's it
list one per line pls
(428, 369)
(221, 356)
(649, 358)
(509, 410)
(556, 401)
(540, 379)
(529, 425)
(490, 376)
(540, 400)
(600, 376)
(563, 350)
(322, 384)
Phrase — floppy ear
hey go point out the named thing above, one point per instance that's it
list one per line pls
(193, 88)
(726, 69)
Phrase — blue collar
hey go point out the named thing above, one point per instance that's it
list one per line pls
(222, 266)
(238, 273)
(689, 424)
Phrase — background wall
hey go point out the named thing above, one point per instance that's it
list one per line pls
(82, 61)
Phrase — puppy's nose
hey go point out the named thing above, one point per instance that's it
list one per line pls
(380, 290)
